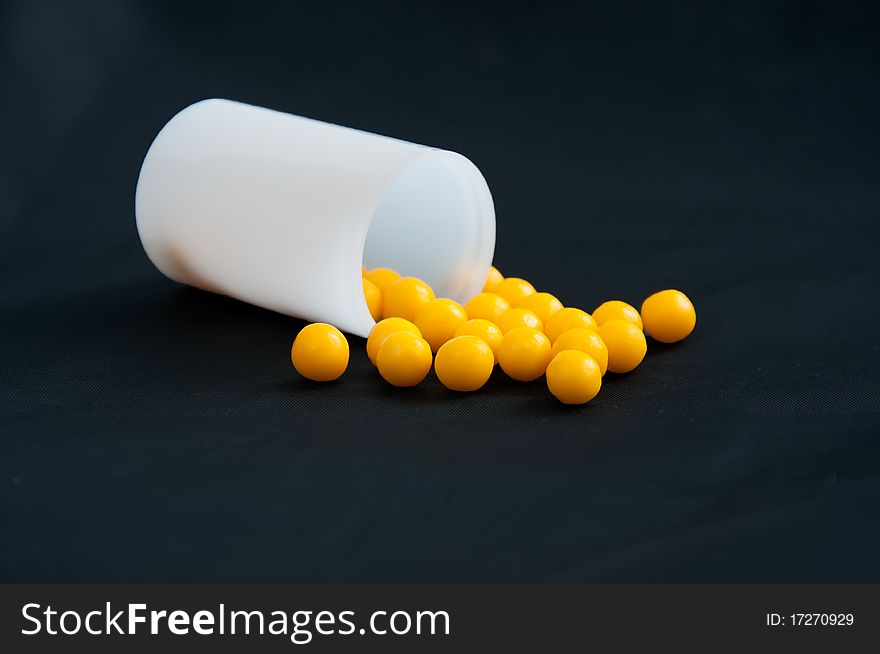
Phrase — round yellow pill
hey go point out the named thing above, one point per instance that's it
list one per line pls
(484, 329)
(382, 277)
(669, 316)
(616, 310)
(438, 320)
(404, 359)
(544, 305)
(524, 353)
(488, 306)
(320, 352)
(626, 344)
(373, 296)
(465, 363)
(567, 318)
(514, 290)
(493, 279)
(383, 329)
(519, 317)
(585, 340)
(405, 297)
(574, 377)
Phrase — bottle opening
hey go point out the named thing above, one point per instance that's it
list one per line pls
(435, 222)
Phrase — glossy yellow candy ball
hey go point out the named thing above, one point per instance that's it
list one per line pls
(382, 277)
(383, 329)
(567, 318)
(616, 310)
(438, 320)
(493, 279)
(405, 297)
(404, 359)
(484, 329)
(514, 290)
(519, 317)
(669, 316)
(626, 344)
(574, 377)
(488, 306)
(544, 305)
(373, 296)
(320, 352)
(585, 340)
(465, 363)
(524, 353)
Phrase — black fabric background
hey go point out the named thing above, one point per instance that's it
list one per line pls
(151, 432)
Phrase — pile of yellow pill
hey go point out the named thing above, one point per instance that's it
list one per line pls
(527, 333)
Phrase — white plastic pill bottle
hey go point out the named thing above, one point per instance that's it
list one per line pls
(281, 211)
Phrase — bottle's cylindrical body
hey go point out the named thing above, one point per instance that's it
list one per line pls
(281, 211)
